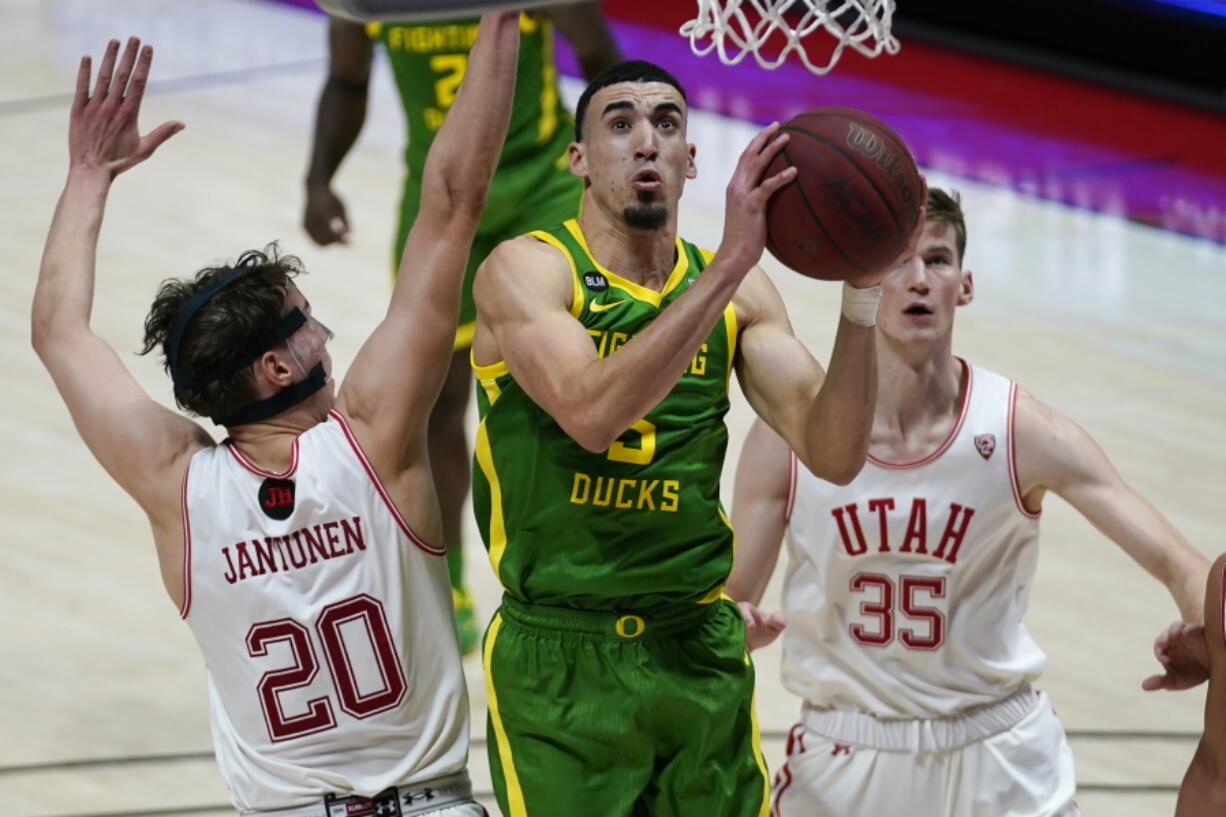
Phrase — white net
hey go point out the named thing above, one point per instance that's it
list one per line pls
(736, 28)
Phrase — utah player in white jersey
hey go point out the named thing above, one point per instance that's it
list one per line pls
(906, 588)
(297, 550)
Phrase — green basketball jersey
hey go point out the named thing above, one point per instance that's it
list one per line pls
(640, 524)
(429, 60)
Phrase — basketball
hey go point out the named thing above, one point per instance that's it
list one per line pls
(855, 200)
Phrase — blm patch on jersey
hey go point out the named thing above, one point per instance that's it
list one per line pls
(595, 281)
(277, 498)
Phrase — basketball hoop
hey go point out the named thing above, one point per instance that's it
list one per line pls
(740, 27)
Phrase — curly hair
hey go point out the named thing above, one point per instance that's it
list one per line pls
(222, 328)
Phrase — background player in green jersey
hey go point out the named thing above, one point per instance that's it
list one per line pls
(616, 674)
(532, 188)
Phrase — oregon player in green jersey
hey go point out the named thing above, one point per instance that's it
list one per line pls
(616, 673)
(533, 187)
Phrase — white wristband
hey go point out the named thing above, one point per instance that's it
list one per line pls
(860, 305)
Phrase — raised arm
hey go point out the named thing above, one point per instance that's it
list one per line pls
(1055, 454)
(141, 444)
(338, 121)
(553, 358)
(585, 28)
(396, 377)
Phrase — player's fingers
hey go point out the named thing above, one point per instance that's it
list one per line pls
(1161, 642)
(770, 185)
(82, 93)
(140, 79)
(319, 229)
(760, 140)
(1170, 634)
(154, 139)
(105, 69)
(339, 228)
(1154, 683)
(120, 82)
(771, 150)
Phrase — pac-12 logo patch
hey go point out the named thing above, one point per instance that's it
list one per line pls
(595, 281)
(277, 498)
(985, 444)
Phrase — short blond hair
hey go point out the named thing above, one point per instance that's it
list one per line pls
(946, 208)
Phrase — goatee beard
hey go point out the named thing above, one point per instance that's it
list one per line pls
(645, 216)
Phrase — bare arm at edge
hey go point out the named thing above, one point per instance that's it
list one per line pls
(759, 511)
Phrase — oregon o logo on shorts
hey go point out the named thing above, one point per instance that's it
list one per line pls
(630, 626)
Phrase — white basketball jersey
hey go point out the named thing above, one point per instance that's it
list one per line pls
(907, 588)
(326, 626)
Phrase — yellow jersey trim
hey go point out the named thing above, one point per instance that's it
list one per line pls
(515, 793)
(715, 595)
(730, 325)
(490, 372)
(576, 291)
(731, 329)
(373, 29)
(498, 368)
(498, 530)
(638, 291)
(492, 392)
(464, 336)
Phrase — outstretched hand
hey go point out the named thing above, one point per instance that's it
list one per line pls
(1184, 656)
(102, 133)
(761, 628)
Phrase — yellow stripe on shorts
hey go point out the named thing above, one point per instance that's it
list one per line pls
(515, 794)
(765, 809)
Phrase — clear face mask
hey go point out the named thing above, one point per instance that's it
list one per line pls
(318, 326)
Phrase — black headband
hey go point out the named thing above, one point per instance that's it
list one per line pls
(286, 325)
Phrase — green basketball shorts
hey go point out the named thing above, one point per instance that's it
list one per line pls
(623, 715)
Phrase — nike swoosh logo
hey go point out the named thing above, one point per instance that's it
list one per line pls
(602, 307)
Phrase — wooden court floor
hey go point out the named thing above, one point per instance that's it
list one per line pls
(102, 706)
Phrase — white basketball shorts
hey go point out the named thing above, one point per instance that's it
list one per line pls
(1026, 770)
